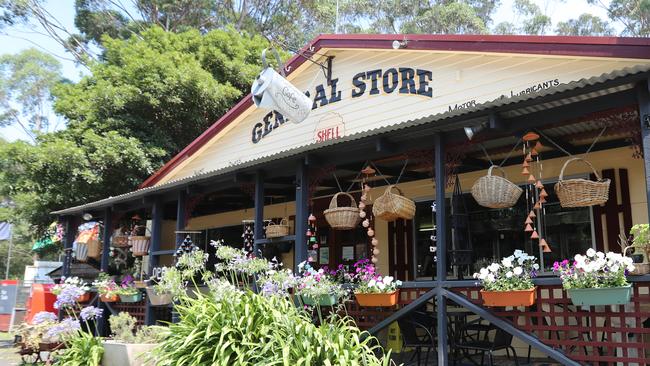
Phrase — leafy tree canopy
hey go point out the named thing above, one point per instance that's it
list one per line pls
(585, 25)
(162, 88)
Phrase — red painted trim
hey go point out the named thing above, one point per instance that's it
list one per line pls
(620, 47)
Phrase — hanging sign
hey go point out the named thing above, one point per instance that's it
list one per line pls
(330, 127)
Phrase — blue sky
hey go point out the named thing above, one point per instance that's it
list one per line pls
(17, 39)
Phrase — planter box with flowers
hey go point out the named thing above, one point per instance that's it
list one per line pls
(596, 278)
(373, 289)
(108, 290)
(509, 283)
(128, 292)
(317, 287)
(73, 282)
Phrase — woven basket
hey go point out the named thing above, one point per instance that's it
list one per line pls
(495, 192)
(94, 249)
(274, 230)
(390, 206)
(342, 218)
(140, 245)
(641, 269)
(121, 241)
(581, 192)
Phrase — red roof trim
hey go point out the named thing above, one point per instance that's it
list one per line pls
(620, 47)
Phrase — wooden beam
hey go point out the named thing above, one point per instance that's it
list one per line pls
(181, 219)
(559, 141)
(441, 245)
(383, 145)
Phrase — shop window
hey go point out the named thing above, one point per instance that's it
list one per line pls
(496, 233)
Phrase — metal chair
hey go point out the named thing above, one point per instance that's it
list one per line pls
(501, 341)
(417, 335)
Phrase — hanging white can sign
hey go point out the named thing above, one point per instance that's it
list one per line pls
(271, 90)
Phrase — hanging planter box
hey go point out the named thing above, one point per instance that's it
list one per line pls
(600, 296)
(112, 298)
(324, 300)
(158, 299)
(131, 298)
(383, 300)
(509, 298)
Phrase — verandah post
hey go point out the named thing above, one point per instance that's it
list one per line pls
(441, 245)
(70, 231)
(106, 239)
(181, 219)
(643, 98)
(156, 233)
(302, 213)
(259, 211)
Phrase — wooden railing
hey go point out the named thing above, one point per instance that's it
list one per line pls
(604, 335)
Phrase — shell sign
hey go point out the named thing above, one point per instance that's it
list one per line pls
(330, 127)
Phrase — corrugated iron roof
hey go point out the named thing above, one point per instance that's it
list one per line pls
(439, 117)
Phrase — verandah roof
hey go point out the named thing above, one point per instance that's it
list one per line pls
(564, 94)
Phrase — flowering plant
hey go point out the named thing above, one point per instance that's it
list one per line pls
(276, 281)
(70, 282)
(316, 284)
(106, 286)
(594, 270)
(370, 282)
(515, 272)
(127, 286)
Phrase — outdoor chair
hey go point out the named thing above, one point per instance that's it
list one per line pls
(418, 336)
(501, 341)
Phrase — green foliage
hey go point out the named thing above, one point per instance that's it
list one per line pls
(82, 350)
(162, 88)
(25, 82)
(634, 14)
(585, 25)
(69, 168)
(641, 233)
(249, 329)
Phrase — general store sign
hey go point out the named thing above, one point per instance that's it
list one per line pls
(394, 80)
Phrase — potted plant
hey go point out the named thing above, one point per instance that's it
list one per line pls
(509, 283)
(128, 291)
(73, 282)
(317, 287)
(596, 278)
(373, 289)
(128, 346)
(108, 290)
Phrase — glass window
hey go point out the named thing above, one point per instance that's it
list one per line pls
(496, 233)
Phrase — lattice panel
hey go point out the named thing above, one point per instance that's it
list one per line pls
(603, 335)
(135, 309)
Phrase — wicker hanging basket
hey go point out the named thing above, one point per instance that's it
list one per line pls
(390, 206)
(342, 218)
(94, 249)
(140, 245)
(274, 230)
(493, 191)
(581, 192)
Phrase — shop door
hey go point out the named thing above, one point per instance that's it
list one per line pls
(400, 249)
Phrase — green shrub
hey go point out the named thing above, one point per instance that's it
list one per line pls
(243, 328)
(81, 350)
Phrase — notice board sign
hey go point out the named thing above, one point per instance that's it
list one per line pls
(8, 293)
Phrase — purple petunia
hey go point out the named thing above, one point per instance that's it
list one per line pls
(91, 313)
(44, 316)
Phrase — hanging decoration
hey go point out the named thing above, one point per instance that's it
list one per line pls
(187, 246)
(366, 215)
(248, 235)
(535, 191)
(312, 236)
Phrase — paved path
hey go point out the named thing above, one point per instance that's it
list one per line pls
(8, 355)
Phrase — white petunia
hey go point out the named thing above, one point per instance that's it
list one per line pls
(387, 280)
(591, 252)
(490, 278)
(535, 266)
(494, 267)
(518, 271)
(509, 274)
(507, 262)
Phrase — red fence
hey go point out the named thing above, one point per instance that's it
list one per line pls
(602, 335)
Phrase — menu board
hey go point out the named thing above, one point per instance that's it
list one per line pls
(8, 298)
